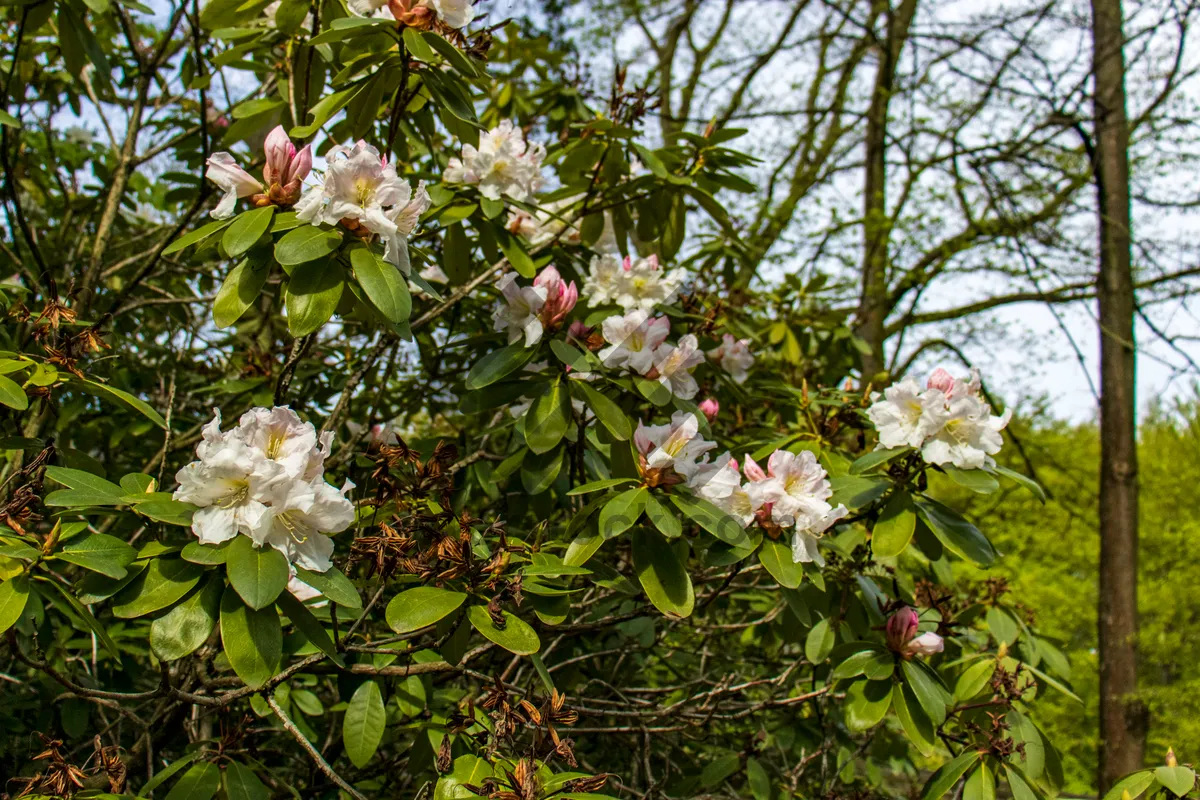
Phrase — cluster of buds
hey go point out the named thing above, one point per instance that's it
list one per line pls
(902, 637)
(561, 297)
(283, 174)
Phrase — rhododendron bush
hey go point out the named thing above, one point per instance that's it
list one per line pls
(378, 421)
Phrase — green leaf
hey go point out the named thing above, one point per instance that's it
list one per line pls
(1055, 684)
(101, 553)
(239, 291)
(78, 610)
(819, 642)
(866, 703)
(776, 558)
(240, 781)
(421, 607)
(875, 458)
(927, 688)
(621, 512)
(1029, 483)
(323, 111)
(101, 389)
(981, 784)
(188, 625)
(14, 594)
(12, 395)
(516, 255)
(333, 585)
(258, 574)
(9, 120)
(309, 625)
(895, 527)
(246, 229)
(383, 283)
(1002, 626)
(196, 236)
(253, 640)
(206, 553)
(663, 518)
(496, 364)
(1019, 785)
(538, 473)
(362, 728)
(607, 412)
(161, 584)
(662, 575)
(74, 498)
(516, 636)
(452, 54)
(977, 480)
(712, 519)
(1179, 780)
(198, 783)
(547, 419)
(955, 533)
(760, 782)
(945, 778)
(718, 769)
(456, 248)
(305, 244)
(582, 548)
(78, 479)
(596, 486)
(916, 725)
(874, 661)
(313, 294)
(173, 512)
(468, 769)
(417, 46)
(1136, 784)
(164, 774)
(974, 679)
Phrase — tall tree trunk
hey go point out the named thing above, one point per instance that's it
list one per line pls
(874, 304)
(1122, 719)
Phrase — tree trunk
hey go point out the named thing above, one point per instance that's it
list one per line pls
(874, 304)
(1122, 718)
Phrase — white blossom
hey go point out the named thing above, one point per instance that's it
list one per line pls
(265, 478)
(552, 220)
(798, 490)
(517, 311)
(734, 356)
(235, 181)
(501, 165)
(906, 416)
(672, 365)
(676, 446)
(633, 340)
(644, 284)
(455, 13)
(600, 285)
(362, 189)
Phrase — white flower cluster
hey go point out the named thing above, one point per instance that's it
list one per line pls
(361, 190)
(640, 284)
(501, 165)
(948, 421)
(792, 493)
(637, 342)
(265, 478)
(733, 356)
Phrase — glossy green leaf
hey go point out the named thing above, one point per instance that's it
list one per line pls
(363, 725)
(313, 295)
(916, 725)
(712, 519)
(12, 395)
(253, 640)
(496, 364)
(662, 517)
(928, 689)
(196, 236)
(333, 585)
(14, 594)
(621, 512)
(955, 533)
(306, 244)
(246, 229)
(776, 558)
(977, 480)
(242, 784)
(607, 412)
(516, 636)
(383, 283)
(188, 625)
(104, 390)
(596, 486)
(239, 291)
(663, 576)
(200, 782)
(819, 642)
(258, 574)
(421, 607)
(1180, 780)
(161, 584)
(547, 419)
(950, 773)
(981, 784)
(165, 774)
(309, 625)
(1136, 784)
(867, 703)
(99, 552)
(895, 527)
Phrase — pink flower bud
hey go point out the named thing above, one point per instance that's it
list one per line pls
(301, 164)
(279, 151)
(560, 296)
(901, 627)
(627, 263)
(753, 471)
(942, 381)
(710, 408)
(652, 261)
(579, 330)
